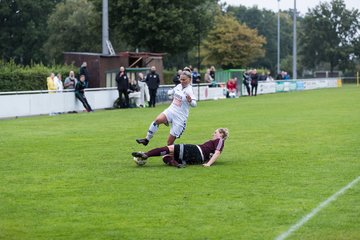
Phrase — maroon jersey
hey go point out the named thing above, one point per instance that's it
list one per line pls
(211, 146)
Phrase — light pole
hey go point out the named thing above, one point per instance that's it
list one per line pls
(294, 43)
(278, 39)
(198, 53)
(105, 26)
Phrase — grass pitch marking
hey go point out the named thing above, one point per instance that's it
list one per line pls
(300, 223)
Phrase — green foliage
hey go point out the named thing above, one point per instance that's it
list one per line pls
(162, 26)
(15, 77)
(40, 31)
(231, 44)
(168, 76)
(329, 34)
(177, 61)
(23, 29)
(265, 22)
(71, 176)
(73, 31)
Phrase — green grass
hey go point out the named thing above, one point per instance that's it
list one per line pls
(72, 176)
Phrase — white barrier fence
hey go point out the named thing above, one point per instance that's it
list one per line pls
(37, 103)
(294, 85)
(29, 103)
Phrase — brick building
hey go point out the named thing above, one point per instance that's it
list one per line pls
(103, 68)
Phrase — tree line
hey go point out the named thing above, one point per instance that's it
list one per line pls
(197, 32)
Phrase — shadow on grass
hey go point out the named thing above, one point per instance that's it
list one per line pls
(159, 166)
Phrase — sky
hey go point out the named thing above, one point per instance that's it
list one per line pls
(301, 5)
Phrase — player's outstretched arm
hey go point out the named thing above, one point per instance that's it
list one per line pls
(212, 159)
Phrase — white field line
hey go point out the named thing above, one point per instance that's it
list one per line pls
(300, 223)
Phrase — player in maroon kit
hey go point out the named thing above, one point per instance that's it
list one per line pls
(179, 155)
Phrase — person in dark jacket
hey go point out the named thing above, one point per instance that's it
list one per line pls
(196, 77)
(246, 81)
(212, 72)
(254, 82)
(153, 81)
(83, 71)
(80, 93)
(176, 78)
(123, 87)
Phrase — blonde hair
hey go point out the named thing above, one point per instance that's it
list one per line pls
(224, 132)
(187, 72)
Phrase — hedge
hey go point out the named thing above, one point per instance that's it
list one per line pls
(15, 77)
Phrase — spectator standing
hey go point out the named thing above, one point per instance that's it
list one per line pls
(179, 155)
(153, 81)
(269, 78)
(246, 81)
(144, 90)
(279, 76)
(80, 93)
(84, 71)
(123, 87)
(50, 83)
(178, 111)
(254, 82)
(176, 78)
(209, 79)
(196, 77)
(286, 76)
(212, 72)
(58, 83)
(70, 81)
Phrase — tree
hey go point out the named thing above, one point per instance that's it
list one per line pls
(161, 26)
(73, 26)
(23, 29)
(265, 22)
(329, 32)
(231, 44)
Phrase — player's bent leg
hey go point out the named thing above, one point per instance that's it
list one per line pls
(171, 140)
(161, 119)
(158, 152)
(169, 160)
(152, 130)
(177, 128)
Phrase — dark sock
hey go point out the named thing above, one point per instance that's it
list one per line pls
(158, 152)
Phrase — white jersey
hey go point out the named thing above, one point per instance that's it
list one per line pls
(180, 106)
(177, 113)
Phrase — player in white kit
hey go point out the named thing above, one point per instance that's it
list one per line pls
(177, 113)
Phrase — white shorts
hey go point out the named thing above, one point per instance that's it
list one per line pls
(178, 125)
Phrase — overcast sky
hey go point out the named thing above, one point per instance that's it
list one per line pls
(301, 5)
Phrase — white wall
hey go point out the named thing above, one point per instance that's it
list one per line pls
(36, 103)
(293, 85)
(16, 104)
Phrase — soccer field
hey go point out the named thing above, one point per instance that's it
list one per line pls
(290, 166)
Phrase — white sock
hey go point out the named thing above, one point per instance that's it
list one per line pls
(152, 130)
